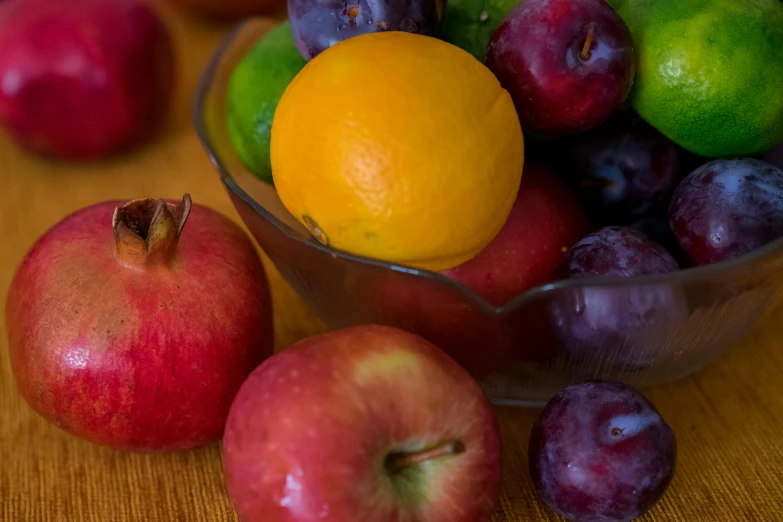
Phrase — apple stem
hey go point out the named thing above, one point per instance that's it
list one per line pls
(585, 54)
(396, 462)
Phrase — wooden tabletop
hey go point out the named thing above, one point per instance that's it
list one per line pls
(728, 419)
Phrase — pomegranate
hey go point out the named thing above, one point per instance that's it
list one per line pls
(139, 339)
(82, 79)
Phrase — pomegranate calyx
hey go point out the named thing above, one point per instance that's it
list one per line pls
(146, 231)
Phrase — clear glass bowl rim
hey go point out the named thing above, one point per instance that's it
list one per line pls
(721, 270)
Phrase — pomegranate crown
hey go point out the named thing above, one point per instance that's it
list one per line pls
(146, 231)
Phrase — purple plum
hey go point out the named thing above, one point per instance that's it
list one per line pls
(727, 208)
(319, 24)
(600, 452)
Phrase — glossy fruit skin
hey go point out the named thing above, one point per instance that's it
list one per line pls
(623, 170)
(254, 91)
(440, 315)
(536, 55)
(83, 79)
(726, 208)
(311, 428)
(319, 24)
(600, 452)
(544, 222)
(594, 322)
(616, 251)
(138, 359)
(425, 160)
(695, 85)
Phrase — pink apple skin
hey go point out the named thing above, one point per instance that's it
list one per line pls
(82, 79)
(544, 222)
(478, 341)
(309, 433)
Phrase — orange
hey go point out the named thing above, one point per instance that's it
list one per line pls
(398, 147)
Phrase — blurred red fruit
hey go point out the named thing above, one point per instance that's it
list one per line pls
(85, 78)
(544, 222)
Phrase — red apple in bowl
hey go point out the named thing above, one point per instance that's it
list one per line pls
(82, 79)
(362, 424)
(544, 222)
(477, 340)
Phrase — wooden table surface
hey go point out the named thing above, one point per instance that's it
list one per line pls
(728, 419)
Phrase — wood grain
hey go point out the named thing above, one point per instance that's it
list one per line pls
(728, 418)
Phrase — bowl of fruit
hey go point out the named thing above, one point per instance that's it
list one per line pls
(546, 210)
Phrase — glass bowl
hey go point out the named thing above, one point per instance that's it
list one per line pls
(641, 331)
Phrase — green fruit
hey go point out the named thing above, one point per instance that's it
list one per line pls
(254, 90)
(710, 72)
(469, 24)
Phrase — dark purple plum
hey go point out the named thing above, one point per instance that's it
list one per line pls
(616, 251)
(319, 24)
(612, 324)
(568, 64)
(600, 452)
(622, 170)
(726, 208)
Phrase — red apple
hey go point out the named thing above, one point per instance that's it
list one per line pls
(84, 78)
(366, 424)
(226, 10)
(544, 222)
(476, 339)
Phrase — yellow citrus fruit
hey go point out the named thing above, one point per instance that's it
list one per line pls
(399, 147)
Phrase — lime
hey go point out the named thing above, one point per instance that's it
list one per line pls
(254, 89)
(710, 72)
(470, 23)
